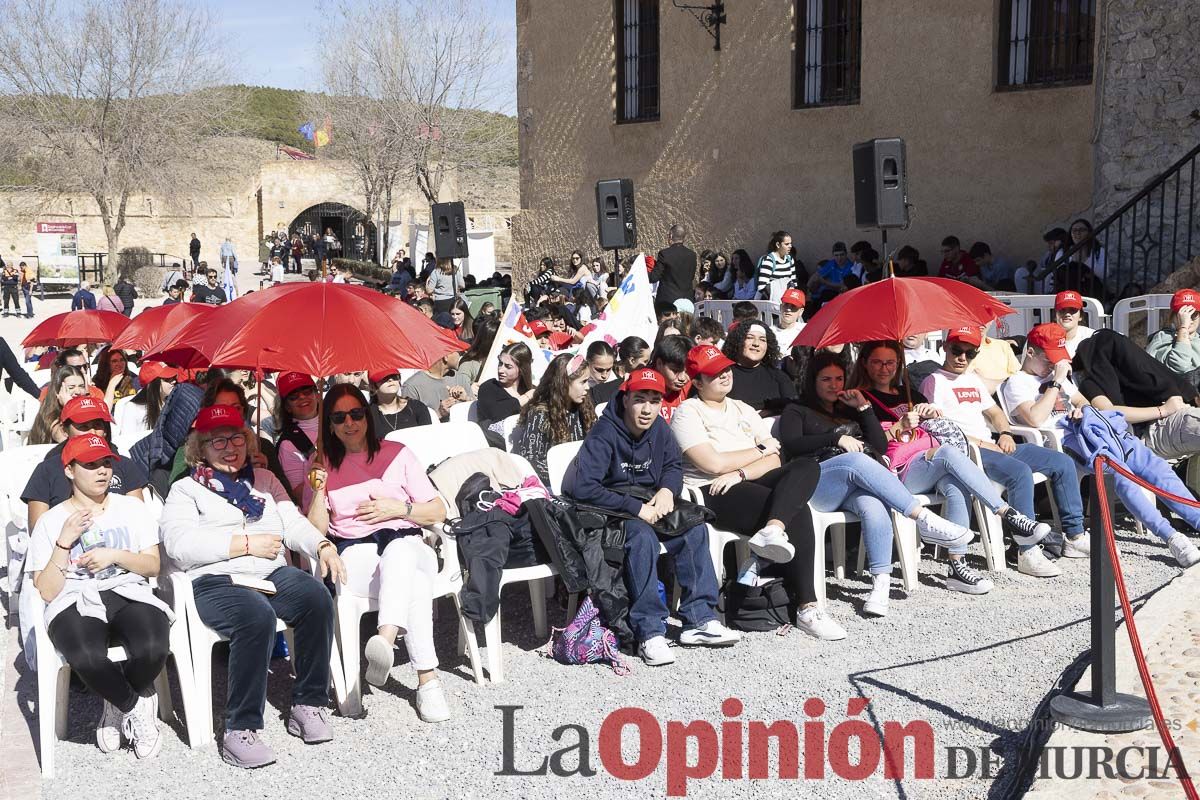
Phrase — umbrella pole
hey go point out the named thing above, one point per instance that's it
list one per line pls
(320, 420)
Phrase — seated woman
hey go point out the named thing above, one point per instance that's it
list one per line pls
(114, 377)
(222, 525)
(837, 426)
(390, 410)
(296, 420)
(460, 318)
(511, 389)
(730, 456)
(371, 498)
(602, 380)
(485, 334)
(140, 415)
(66, 382)
(560, 411)
(48, 485)
(757, 381)
(90, 557)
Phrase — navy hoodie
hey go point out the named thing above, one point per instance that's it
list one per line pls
(610, 456)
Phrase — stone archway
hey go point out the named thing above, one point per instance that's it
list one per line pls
(356, 233)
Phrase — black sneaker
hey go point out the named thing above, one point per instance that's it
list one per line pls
(962, 578)
(1024, 531)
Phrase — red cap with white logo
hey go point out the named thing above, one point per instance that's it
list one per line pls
(706, 360)
(968, 334)
(645, 380)
(1068, 299)
(1052, 339)
(214, 417)
(1185, 297)
(86, 449)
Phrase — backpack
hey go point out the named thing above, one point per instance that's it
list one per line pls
(586, 641)
(755, 608)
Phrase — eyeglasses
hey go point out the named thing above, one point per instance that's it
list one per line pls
(356, 414)
(883, 364)
(303, 391)
(969, 352)
(219, 443)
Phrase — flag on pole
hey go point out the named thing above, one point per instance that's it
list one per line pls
(515, 328)
(324, 135)
(630, 311)
(307, 131)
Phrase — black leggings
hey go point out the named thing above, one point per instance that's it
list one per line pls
(780, 494)
(140, 628)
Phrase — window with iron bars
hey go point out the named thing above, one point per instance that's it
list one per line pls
(637, 60)
(828, 53)
(1045, 43)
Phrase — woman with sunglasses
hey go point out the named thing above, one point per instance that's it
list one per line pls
(390, 411)
(296, 418)
(223, 526)
(48, 486)
(371, 498)
(581, 274)
(66, 383)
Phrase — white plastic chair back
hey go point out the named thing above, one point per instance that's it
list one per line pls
(509, 425)
(464, 412)
(722, 310)
(1035, 309)
(433, 444)
(1156, 308)
(434, 419)
(560, 463)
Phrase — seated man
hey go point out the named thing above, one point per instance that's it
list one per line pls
(1042, 394)
(791, 306)
(632, 444)
(1068, 312)
(669, 359)
(961, 396)
(439, 387)
(1177, 344)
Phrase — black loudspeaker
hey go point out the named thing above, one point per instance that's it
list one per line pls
(615, 218)
(880, 184)
(449, 230)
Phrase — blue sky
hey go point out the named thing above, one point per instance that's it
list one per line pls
(274, 44)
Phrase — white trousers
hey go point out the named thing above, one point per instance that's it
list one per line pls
(402, 579)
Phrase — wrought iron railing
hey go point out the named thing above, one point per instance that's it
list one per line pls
(1154, 233)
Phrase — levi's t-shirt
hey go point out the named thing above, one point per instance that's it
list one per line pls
(962, 399)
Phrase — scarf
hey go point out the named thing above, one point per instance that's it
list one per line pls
(235, 489)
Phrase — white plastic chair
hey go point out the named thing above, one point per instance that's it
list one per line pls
(509, 425)
(1035, 309)
(434, 419)
(1156, 308)
(54, 682)
(16, 465)
(434, 444)
(464, 412)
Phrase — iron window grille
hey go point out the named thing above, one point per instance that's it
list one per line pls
(1045, 43)
(828, 53)
(637, 60)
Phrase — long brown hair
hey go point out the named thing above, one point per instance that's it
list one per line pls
(104, 371)
(859, 379)
(553, 398)
(50, 409)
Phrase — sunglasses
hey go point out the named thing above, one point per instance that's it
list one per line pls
(356, 414)
(304, 391)
(89, 425)
(219, 443)
(969, 352)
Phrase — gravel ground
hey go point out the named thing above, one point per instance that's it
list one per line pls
(974, 668)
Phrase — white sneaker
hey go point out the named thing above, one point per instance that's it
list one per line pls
(877, 601)
(1184, 551)
(1034, 562)
(940, 531)
(771, 544)
(431, 702)
(379, 660)
(815, 621)
(1079, 547)
(141, 729)
(656, 652)
(108, 732)
(710, 634)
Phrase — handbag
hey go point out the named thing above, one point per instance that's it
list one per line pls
(901, 453)
(685, 516)
(586, 641)
(946, 432)
(755, 608)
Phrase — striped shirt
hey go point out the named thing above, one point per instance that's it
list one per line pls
(771, 268)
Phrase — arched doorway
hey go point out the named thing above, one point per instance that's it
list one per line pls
(351, 227)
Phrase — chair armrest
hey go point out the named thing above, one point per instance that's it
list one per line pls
(181, 589)
(1032, 435)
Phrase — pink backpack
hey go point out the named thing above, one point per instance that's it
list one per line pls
(586, 641)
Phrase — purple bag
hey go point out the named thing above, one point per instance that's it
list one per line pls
(586, 641)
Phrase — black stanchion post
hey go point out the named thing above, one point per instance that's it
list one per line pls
(1103, 709)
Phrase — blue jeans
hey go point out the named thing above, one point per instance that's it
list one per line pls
(1015, 473)
(247, 618)
(693, 570)
(857, 483)
(1143, 462)
(27, 290)
(957, 478)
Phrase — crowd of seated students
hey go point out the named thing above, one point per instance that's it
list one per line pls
(764, 435)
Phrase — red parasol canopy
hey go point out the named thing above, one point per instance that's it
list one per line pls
(897, 307)
(316, 328)
(73, 328)
(157, 324)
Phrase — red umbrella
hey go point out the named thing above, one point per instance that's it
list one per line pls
(73, 328)
(316, 328)
(897, 307)
(157, 324)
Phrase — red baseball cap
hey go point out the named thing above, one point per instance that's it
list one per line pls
(84, 408)
(291, 381)
(645, 380)
(705, 359)
(212, 417)
(1067, 300)
(1185, 297)
(152, 370)
(86, 449)
(1052, 338)
(793, 297)
(968, 334)
(378, 376)
(538, 328)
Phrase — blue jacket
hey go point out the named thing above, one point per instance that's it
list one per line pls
(610, 456)
(83, 299)
(1097, 433)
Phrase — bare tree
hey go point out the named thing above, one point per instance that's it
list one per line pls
(111, 98)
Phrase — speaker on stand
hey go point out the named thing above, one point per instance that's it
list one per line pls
(616, 220)
(449, 230)
(880, 187)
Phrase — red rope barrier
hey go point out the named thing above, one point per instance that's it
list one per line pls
(1164, 732)
(1163, 493)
